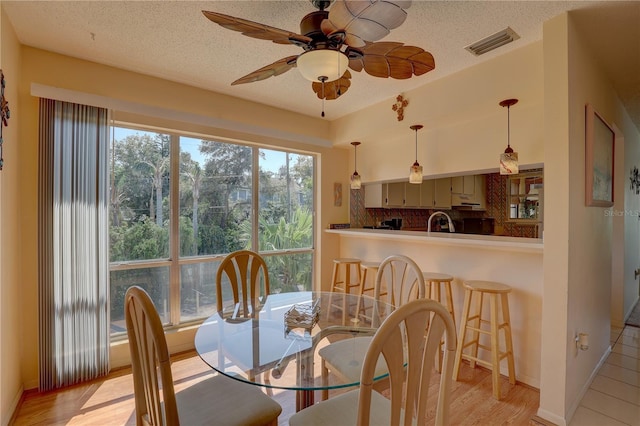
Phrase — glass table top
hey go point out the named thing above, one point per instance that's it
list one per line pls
(277, 346)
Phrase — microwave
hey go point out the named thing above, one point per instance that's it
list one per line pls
(478, 225)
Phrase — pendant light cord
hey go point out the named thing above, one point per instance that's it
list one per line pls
(509, 126)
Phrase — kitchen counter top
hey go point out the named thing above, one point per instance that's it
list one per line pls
(534, 245)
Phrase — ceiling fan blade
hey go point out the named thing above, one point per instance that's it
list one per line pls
(365, 20)
(392, 59)
(256, 30)
(272, 70)
(333, 89)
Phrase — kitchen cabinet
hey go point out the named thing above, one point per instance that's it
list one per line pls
(463, 185)
(395, 194)
(374, 196)
(412, 195)
(480, 191)
(469, 191)
(436, 193)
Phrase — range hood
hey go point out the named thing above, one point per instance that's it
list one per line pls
(468, 206)
(465, 202)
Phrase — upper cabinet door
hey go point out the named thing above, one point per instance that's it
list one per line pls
(442, 193)
(395, 194)
(412, 194)
(374, 196)
(464, 185)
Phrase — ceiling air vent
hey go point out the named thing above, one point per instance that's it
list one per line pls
(494, 41)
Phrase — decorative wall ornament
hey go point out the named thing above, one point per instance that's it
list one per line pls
(634, 177)
(337, 194)
(4, 115)
(399, 106)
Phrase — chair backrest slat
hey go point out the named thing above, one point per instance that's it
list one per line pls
(246, 273)
(403, 280)
(410, 356)
(150, 361)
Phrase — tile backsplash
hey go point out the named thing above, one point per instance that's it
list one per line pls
(417, 218)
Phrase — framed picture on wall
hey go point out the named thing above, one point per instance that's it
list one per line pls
(599, 159)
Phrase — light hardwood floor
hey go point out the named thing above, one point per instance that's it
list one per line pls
(613, 398)
(110, 401)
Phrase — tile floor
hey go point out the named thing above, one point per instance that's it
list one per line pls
(614, 396)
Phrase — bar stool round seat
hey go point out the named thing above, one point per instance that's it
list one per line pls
(343, 282)
(436, 282)
(472, 326)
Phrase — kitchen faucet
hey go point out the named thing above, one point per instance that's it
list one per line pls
(451, 227)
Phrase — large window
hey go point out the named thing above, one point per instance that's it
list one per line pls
(173, 217)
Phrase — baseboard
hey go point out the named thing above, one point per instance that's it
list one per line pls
(628, 314)
(540, 421)
(13, 409)
(550, 417)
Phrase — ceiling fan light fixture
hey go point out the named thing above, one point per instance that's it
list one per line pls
(322, 64)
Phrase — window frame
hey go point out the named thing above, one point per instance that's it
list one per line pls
(175, 262)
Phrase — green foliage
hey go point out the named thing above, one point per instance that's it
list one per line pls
(141, 240)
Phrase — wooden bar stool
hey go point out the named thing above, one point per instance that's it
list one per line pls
(365, 267)
(436, 282)
(498, 294)
(343, 282)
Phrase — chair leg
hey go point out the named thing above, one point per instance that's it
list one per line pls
(495, 347)
(462, 333)
(476, 334)
(325, 380)
(507, 338)
(334, 280)
(363, 282)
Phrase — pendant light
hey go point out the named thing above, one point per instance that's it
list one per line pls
(356, 182)
(508, 159)
(415, 172)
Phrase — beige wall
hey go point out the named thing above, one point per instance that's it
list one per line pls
(579, 255)
(10, 209)
(191, 109)
(465, 131)
(464, 127)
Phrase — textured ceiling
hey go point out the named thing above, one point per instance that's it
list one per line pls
(174, 41)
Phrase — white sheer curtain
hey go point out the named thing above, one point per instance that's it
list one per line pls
(73, 243)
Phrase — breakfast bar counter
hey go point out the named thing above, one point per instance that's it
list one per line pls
(514, 261)
(534, 245)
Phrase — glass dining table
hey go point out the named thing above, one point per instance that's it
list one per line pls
(279, 340)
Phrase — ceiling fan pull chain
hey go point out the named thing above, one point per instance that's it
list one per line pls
(322, 80)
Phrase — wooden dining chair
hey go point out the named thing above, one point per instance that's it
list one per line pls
(403, 281)
(212, 400)
(245, 273)
(409, 356)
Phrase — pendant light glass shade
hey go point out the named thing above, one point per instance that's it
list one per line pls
(509, 158)
(322, 64)
(356, 181)
(415, 172)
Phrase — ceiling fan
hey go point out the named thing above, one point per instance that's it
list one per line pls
(344, 36)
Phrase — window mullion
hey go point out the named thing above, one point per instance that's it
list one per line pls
(174, 231)
(255, 195)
